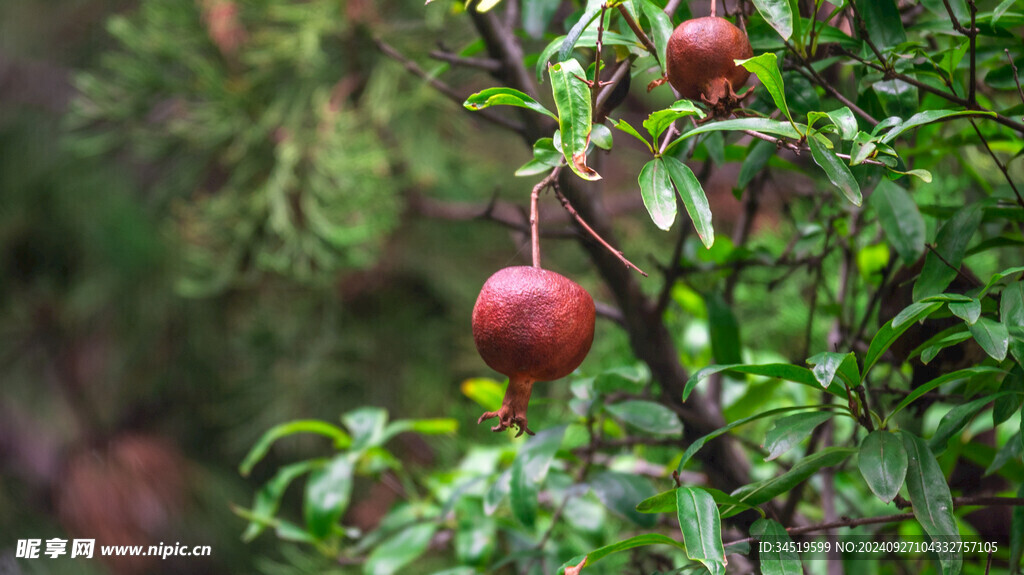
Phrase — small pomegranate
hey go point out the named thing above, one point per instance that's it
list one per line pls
(531, 325)
(700, 58)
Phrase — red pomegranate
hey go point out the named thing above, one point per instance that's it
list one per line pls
(700, 58)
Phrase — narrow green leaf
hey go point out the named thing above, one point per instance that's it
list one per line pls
(778, 14)
(931, 500)
(1006, 407)
(537, 14)
(929, 353)
(366, 424)
(891, 331)
(997, 277)
(589, 37)
(785, 561)
(1011, 451)
(765, 125)
(665, 502)
(647, 416)
(398, 551)
(328, 492)
(262, 446)
(621, 492)
(601, 136)
(882, 461)
(968, 311)
(702, 528)
(529, 469)
(791, 430)
(1011, 304)
(268, 498)
(837, 171)
(996, 15)
(693, 197)
(661, 27)
(498, 491)
(763, 491)
(786, 371)
(659, 121)
(576, 564)
(658, 194)
(572, 99)
(487, 393)
(900, 219)
(625, 127)
(545, 157)
(485, 5)
(440, 426)
(992, 336)
(827, 364)
(882, 19)
(927, 117)
(592, 11)
(941, 380)
(758, 154)
(766, 68)
(504, 97)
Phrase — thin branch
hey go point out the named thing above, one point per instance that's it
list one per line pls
(714, 6)
(487, 64)
(948, 264)
(639, 33)
(1016, 78)
(819, 80)
(862, 29)
(672, 6)
(534, 216)
(443, 88)
(609, 87)
(579, 219)
(1002, 167)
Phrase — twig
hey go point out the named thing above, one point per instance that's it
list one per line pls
(639, 32)
(579, 219)
(816, 78)
(714, 5)
(443, 88)
(609, 87)
(957, 269)
(672, 6)
(1016, 79)
(863, 30)
(1002, 168)
(549, 180)
(487, 64)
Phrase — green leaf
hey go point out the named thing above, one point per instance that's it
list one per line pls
(696, 445)
(665, 502)
(1006, 407)
(601, 136)
(1011, 451)
(497, 492)
(785, 371)
(791, 430)
(659, 121)
(592, 11)
(487, 393)
(545, 157)
(576, 564)
(758, 154)
(778, 14)
(827, 364)
(268, 498)
(647, 416)
(485, 5)
(992, 336)
(609, 38)
(929, 353)
(968, 311)
(702, 528)
(837, 171)
(661, 27)
(366, 425)
(440, 426)
(504, 97)
(927, 117)
(882, 461)
(763, 491)
(399, 550)
(621, 492)
(1011, 304)
(996, 15)
(625, 127)
(537, 14)
(997, 277)
(897, 97)
(262, 446)
(658, 194)
(891, 331)
(931, 499)
(724, 330)
(692, 193)
(882, 19)
(328, 492)
(529, 469)
(572, 99)
(941, 380)
(785, 561)
(766, 68)
(900, 220)
(765, 125)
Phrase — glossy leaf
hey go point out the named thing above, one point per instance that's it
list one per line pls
(891, 331)
(647, 416)
(790, 430)
(766, 68)
(366, 425)
(763, 491)
(883, 23)
(400, 550)
(696, 203)
(998, 277)
(621, 492)
(1011, 451)
(938, 381)
(778, 14)
(328, 492)
(785, 371)
(589, 37)
(1011, 304)
(765, 125)
(536, 14)
(658, 194)
(900, 220)
(837, 171)
(572, 99)
(592, 11)
(661, 27)
(601, 136)
(992, 336)
(268, 498)
(627, 128)
(576, 564)
(783, 561)
(659, 121)
(504, 97)
(968, 311)
(498, 491)
(882, 461)
(665, 502)
(545, 157)
(926, 117)
(758, 154)
(487, 393)
(439, 426)
(702, 528)
(827, 364)
(931, 499)
(262, 446)
(1007, 407)
(529, 469)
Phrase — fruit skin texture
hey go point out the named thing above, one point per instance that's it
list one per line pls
(530, 324)
(700, 58)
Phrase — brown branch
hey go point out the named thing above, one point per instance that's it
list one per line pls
(443, 88)
(639, 32)
(1016, 78)
(606, 92)
(1002, 167)
(549, 180)
(813, 76)
(480, 63)
(583, 224)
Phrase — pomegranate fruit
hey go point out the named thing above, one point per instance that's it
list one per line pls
(531, 325)
(700, 58)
